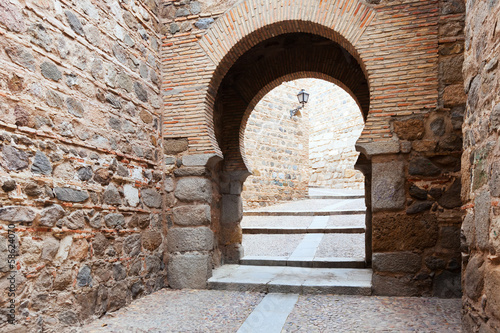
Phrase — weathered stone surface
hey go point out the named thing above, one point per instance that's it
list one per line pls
(393, 286)
(422, 166)
(131, 194)
(232, 209)
(151, 198)
(17, 214)
(75, 220)
(125, 82)
(84, 277)
(50, 71)
(50, 248)
(435, 263)
(188, 270)
(419, 207)
(22, 57)
(130, 20)
(41, 164)
(191, 171)
(190, 239)
(140, 92)
(491, 287)
(74, 23)
(9, 185)
(194, 189)
(388, 185)
(193, 215)
(14, 159)
(473, 278)
(132, 245)
(114, 221)
(197, 159)
(204, 23)
(119, 272)
(32, 189)
(412, 129)
(417, 192)
(174, 146)
(438, 126)
(118, 296)
(151, 240)
(70, 195)
(482, 205)
(93, 35)
(397, 262)
(50, 215)
(120, 53)
(68, 318)
(402, 232)
(103, 176)
(379, 147)
(447, 285)
(11, 17)
(79, 250)
(85, 173)
(494, 181)
(450, 237)
(111, 196)
(75, 107)
(454, 95)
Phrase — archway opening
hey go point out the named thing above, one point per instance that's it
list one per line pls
(302, 165)
(285, 57)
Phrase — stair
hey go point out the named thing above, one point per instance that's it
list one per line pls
(310, 246)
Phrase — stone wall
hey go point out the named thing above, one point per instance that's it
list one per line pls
(81, 206)
(481, 169)
(276, 148)
(336, 123)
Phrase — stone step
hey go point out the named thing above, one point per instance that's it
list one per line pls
(326, 197)
(286, 279)
(295, 230)
(332, 262)
(305, 213)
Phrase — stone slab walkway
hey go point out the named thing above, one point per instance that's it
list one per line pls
(229, 311)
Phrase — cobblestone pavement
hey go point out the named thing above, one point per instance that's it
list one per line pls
(225, 311)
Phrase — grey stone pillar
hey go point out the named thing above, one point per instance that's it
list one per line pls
(191, 239)
(231, 214)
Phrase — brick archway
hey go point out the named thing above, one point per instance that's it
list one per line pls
(385, 55)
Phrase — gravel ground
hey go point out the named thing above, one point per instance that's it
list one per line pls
(324, 313)
(181, 311)
(225, 311)
(277, 221)
(342, 245)
(271, 245)
(347, 221)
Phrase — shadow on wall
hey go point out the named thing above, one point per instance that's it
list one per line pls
(314, 148)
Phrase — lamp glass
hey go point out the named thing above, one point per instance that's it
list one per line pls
(303, 96)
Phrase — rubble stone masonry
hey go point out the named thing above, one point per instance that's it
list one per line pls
(81, 185)
(480, 237)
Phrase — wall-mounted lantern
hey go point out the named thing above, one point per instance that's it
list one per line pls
(303, 98)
